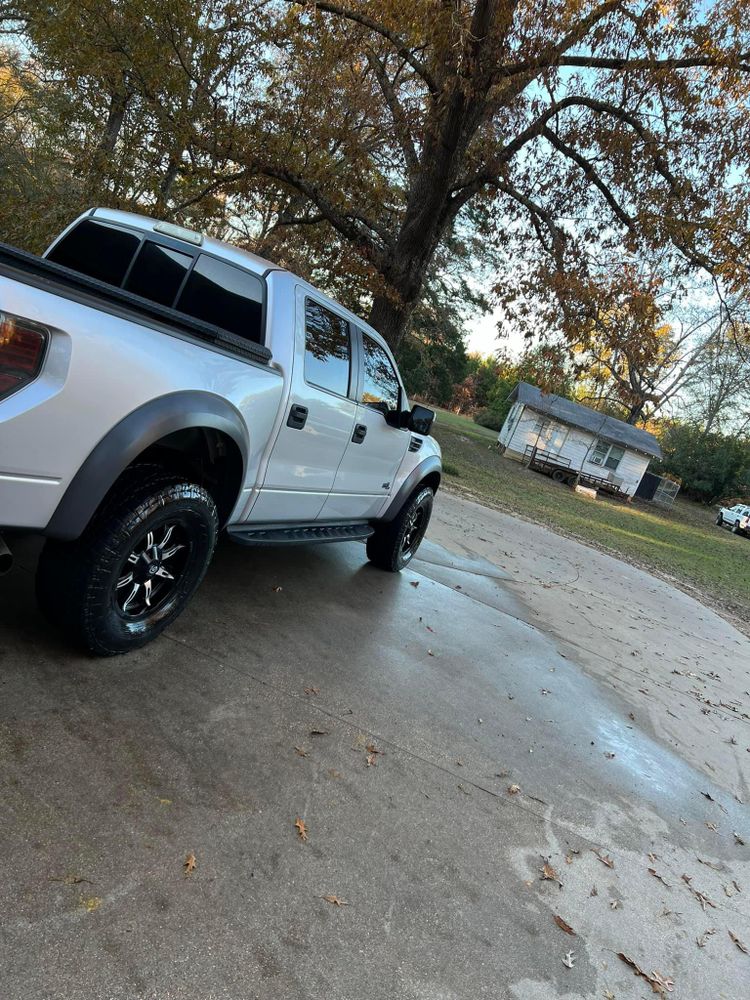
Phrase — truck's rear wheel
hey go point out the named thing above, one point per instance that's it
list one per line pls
(135, 567)
(394, 543)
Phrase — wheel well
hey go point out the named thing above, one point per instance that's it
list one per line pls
(432, 480)
(205, 455)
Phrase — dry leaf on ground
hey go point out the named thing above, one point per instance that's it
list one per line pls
(569, 960)
(312, 690)
(737, 941)
(414, 583)
(320, 732)
(563, 925)
(514, 789)
(604, 858)
(653, 871)
(189, 864)
(701, 941)
(700, 896)
(548, 874)
(301, 828)
(335, 900)
(658, 983)
(300, 751)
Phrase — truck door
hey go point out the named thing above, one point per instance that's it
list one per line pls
(319, 419)
(376, 449)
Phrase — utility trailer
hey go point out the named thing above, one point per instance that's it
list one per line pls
(560, 470)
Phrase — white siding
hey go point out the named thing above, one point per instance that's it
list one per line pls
(570, 443)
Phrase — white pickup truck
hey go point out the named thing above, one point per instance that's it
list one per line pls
(157, 386)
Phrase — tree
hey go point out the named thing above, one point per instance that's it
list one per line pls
(631, 360)
(709, 466)
(571, 134)
(562, 137)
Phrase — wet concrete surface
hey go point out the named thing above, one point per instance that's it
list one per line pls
(112, 772)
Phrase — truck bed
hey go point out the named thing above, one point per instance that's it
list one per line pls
(58, 280)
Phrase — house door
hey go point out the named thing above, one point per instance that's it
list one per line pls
(553, 437)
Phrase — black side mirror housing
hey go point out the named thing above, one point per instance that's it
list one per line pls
(420, 419)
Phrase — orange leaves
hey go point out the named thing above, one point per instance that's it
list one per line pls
(189, 864)
(563, 925)
(301, 828)
(334, 900)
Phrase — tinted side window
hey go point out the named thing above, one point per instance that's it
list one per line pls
(158, 273)
(327, 349)
(224, 296)
(380, 388)
(100, 251)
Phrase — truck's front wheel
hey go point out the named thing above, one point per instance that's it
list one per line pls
(393, 544)
(135, 567)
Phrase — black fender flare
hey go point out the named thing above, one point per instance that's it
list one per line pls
(128, 439)
(415, 477)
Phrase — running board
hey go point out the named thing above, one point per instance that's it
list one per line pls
(297, 534)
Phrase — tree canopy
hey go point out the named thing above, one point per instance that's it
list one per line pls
(557, 141)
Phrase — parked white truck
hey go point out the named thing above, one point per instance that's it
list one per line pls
(157, 386)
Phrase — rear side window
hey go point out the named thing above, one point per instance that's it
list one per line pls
(380, 388)
(158, 273)
(224, 296)
(327, 349)
(99, 251)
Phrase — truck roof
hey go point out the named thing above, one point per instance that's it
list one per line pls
(244, 258)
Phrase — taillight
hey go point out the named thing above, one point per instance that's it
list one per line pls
(22, 347)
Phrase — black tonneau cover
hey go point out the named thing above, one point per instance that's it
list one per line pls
(59, 280)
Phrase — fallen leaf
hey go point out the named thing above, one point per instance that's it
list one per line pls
(700, 896)
(614, 904)
(655, 980)
(276, 589)
(371, 760)
(710, 864)
(414, 583)
(430, 653)
(701, 941)
(569, 960)
(301, 828)
(652, 857)
(548, 873)
(514, 789)
(604, 858)
(594, 891)
(300, 751)
(707, 796)
(70, 879)
(737, 941)
(712, 826)
(609, 755)
(319, 732)
(732, 889)
(312, 690)
(738, 839)
(335, 900)
(563, 925)
(189, 864)
(92, 903)
(430, 629)
(653, 871)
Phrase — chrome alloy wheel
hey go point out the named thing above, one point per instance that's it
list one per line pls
(152, 570)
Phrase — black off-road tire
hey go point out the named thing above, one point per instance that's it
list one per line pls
(77, 582)
(720, 520)
(394, 543)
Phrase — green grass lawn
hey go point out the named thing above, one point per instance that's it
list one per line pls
(683, 543)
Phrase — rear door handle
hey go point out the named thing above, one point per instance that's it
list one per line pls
(359, 433)
(297, 417)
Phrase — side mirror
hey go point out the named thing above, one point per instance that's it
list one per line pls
(420, 419)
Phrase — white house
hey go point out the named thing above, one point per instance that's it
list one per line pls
(585, 441)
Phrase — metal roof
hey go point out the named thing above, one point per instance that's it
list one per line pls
(567, 412)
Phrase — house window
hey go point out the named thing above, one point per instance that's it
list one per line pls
(607, 455)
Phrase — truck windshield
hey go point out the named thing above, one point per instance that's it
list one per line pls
(196, 284)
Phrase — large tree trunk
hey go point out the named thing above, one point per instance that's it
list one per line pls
(390, 319)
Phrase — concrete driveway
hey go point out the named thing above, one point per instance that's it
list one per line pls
(390, 715)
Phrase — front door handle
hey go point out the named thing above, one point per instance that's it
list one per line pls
(359, 433)
(297, 417)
